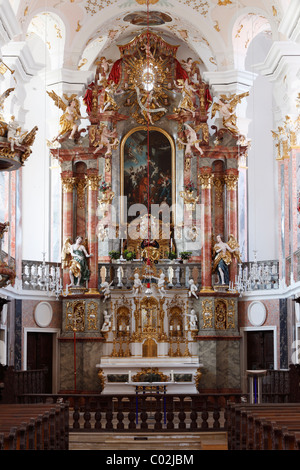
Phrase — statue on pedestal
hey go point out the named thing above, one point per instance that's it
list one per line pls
(107, 322)
(193, 289)
(75, 258)
(222, 257)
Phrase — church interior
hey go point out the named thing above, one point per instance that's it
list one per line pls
(150, 207)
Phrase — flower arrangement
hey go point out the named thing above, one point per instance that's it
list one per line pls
(189, 187)
(104, 186)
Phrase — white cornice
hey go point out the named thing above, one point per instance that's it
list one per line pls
(9, 27)
(71, 81)
(17, 55)
(282, 54)
(290, 24)
(230, 81)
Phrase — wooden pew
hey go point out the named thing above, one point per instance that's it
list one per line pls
(34, 426)
(256, 426)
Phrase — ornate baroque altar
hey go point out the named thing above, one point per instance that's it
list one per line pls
(147, 185)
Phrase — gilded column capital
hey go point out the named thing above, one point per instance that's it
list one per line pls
(93, 181)
(231, 181)
(206, 180)
(68, 184)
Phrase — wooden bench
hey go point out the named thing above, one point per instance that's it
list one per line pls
(261, 426)
(34, 426)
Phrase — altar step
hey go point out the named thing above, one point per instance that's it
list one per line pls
(148, 441)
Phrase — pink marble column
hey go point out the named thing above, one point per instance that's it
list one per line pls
(68, 181)
(231, 179)
(206, 180)
(92, 219)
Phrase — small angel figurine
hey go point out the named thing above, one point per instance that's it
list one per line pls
(106, 290)
(137, 284)
(161, 284)
(193, 319)
(107, 323)
(193, 288)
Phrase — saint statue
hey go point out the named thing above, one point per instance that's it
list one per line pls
(222, 257)
(75, 258)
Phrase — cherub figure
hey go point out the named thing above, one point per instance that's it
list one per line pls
(108, 139)
(191, 140)
(193, 319)
(226, 107)
(106, 323)
(106, 290)
(161, 284)
(137, 284)
(71, 116)
(192, 289)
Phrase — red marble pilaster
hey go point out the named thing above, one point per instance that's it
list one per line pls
(92, 219)
(218, 199)
(206, 180)
(231, 180)
(68, 181)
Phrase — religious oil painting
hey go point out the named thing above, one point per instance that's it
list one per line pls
(146, 180)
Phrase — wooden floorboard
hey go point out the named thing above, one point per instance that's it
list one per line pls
(148, 441)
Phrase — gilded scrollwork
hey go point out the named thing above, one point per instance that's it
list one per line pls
(92, 314)
(207, 314)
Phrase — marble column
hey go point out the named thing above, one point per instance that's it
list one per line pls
(231, 180)
(93, 185)
(206, 180)
(68, 181)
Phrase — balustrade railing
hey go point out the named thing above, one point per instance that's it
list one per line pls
(149, 412)
(177, 274)
(121, 274)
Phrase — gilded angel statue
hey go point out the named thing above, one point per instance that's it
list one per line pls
(222, 253)
(71, 114)
(74, 257)
(226, 107)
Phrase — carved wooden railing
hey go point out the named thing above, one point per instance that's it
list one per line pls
(150, 412)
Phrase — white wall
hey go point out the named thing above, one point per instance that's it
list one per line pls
(262, 175)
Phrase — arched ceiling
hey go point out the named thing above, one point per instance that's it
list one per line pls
(79, 31)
